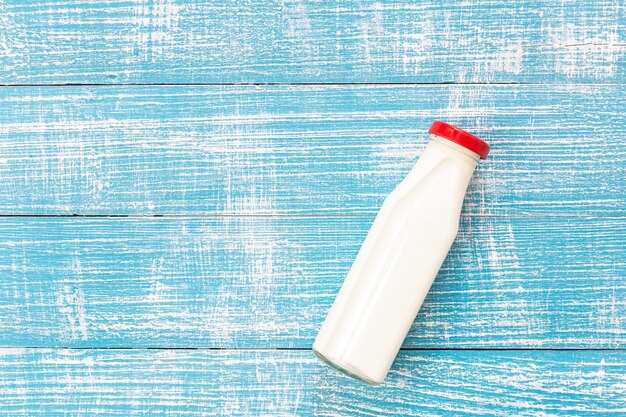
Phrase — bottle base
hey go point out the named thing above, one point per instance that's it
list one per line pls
(345, 368)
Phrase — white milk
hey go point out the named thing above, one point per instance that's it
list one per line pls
(400, 258)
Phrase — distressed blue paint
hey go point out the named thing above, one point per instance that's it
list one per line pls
(268, 282)
(178, 41)
(303, 149)
(294, 383)
(540, 261)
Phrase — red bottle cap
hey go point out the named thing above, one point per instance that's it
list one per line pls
(460, 137)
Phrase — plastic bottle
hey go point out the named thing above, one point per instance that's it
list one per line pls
(400, 258)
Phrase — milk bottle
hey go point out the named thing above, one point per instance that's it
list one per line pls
(400, 258)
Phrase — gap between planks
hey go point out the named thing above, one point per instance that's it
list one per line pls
(296, 349)
(304, 84)
(294, 216)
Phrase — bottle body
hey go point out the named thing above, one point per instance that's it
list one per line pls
(397, 264)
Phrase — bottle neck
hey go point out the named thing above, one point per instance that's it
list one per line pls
(449, 165)
(446, 145)
(439, 149)
(461, 161)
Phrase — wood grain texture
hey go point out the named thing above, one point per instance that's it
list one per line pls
(176, 41)
(268, 282)
(294, 383)
(286, 150)
(268, 191)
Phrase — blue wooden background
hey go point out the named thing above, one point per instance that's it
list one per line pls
(184, 185)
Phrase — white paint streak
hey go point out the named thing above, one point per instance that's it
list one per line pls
(414, 47)
(156, 24)
(508, 60)
(71, 304)
(12, 351)
(596, 49)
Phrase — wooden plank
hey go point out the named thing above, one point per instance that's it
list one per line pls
(303, 150)
(268, 282)
(286, 383)
(170, 41)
